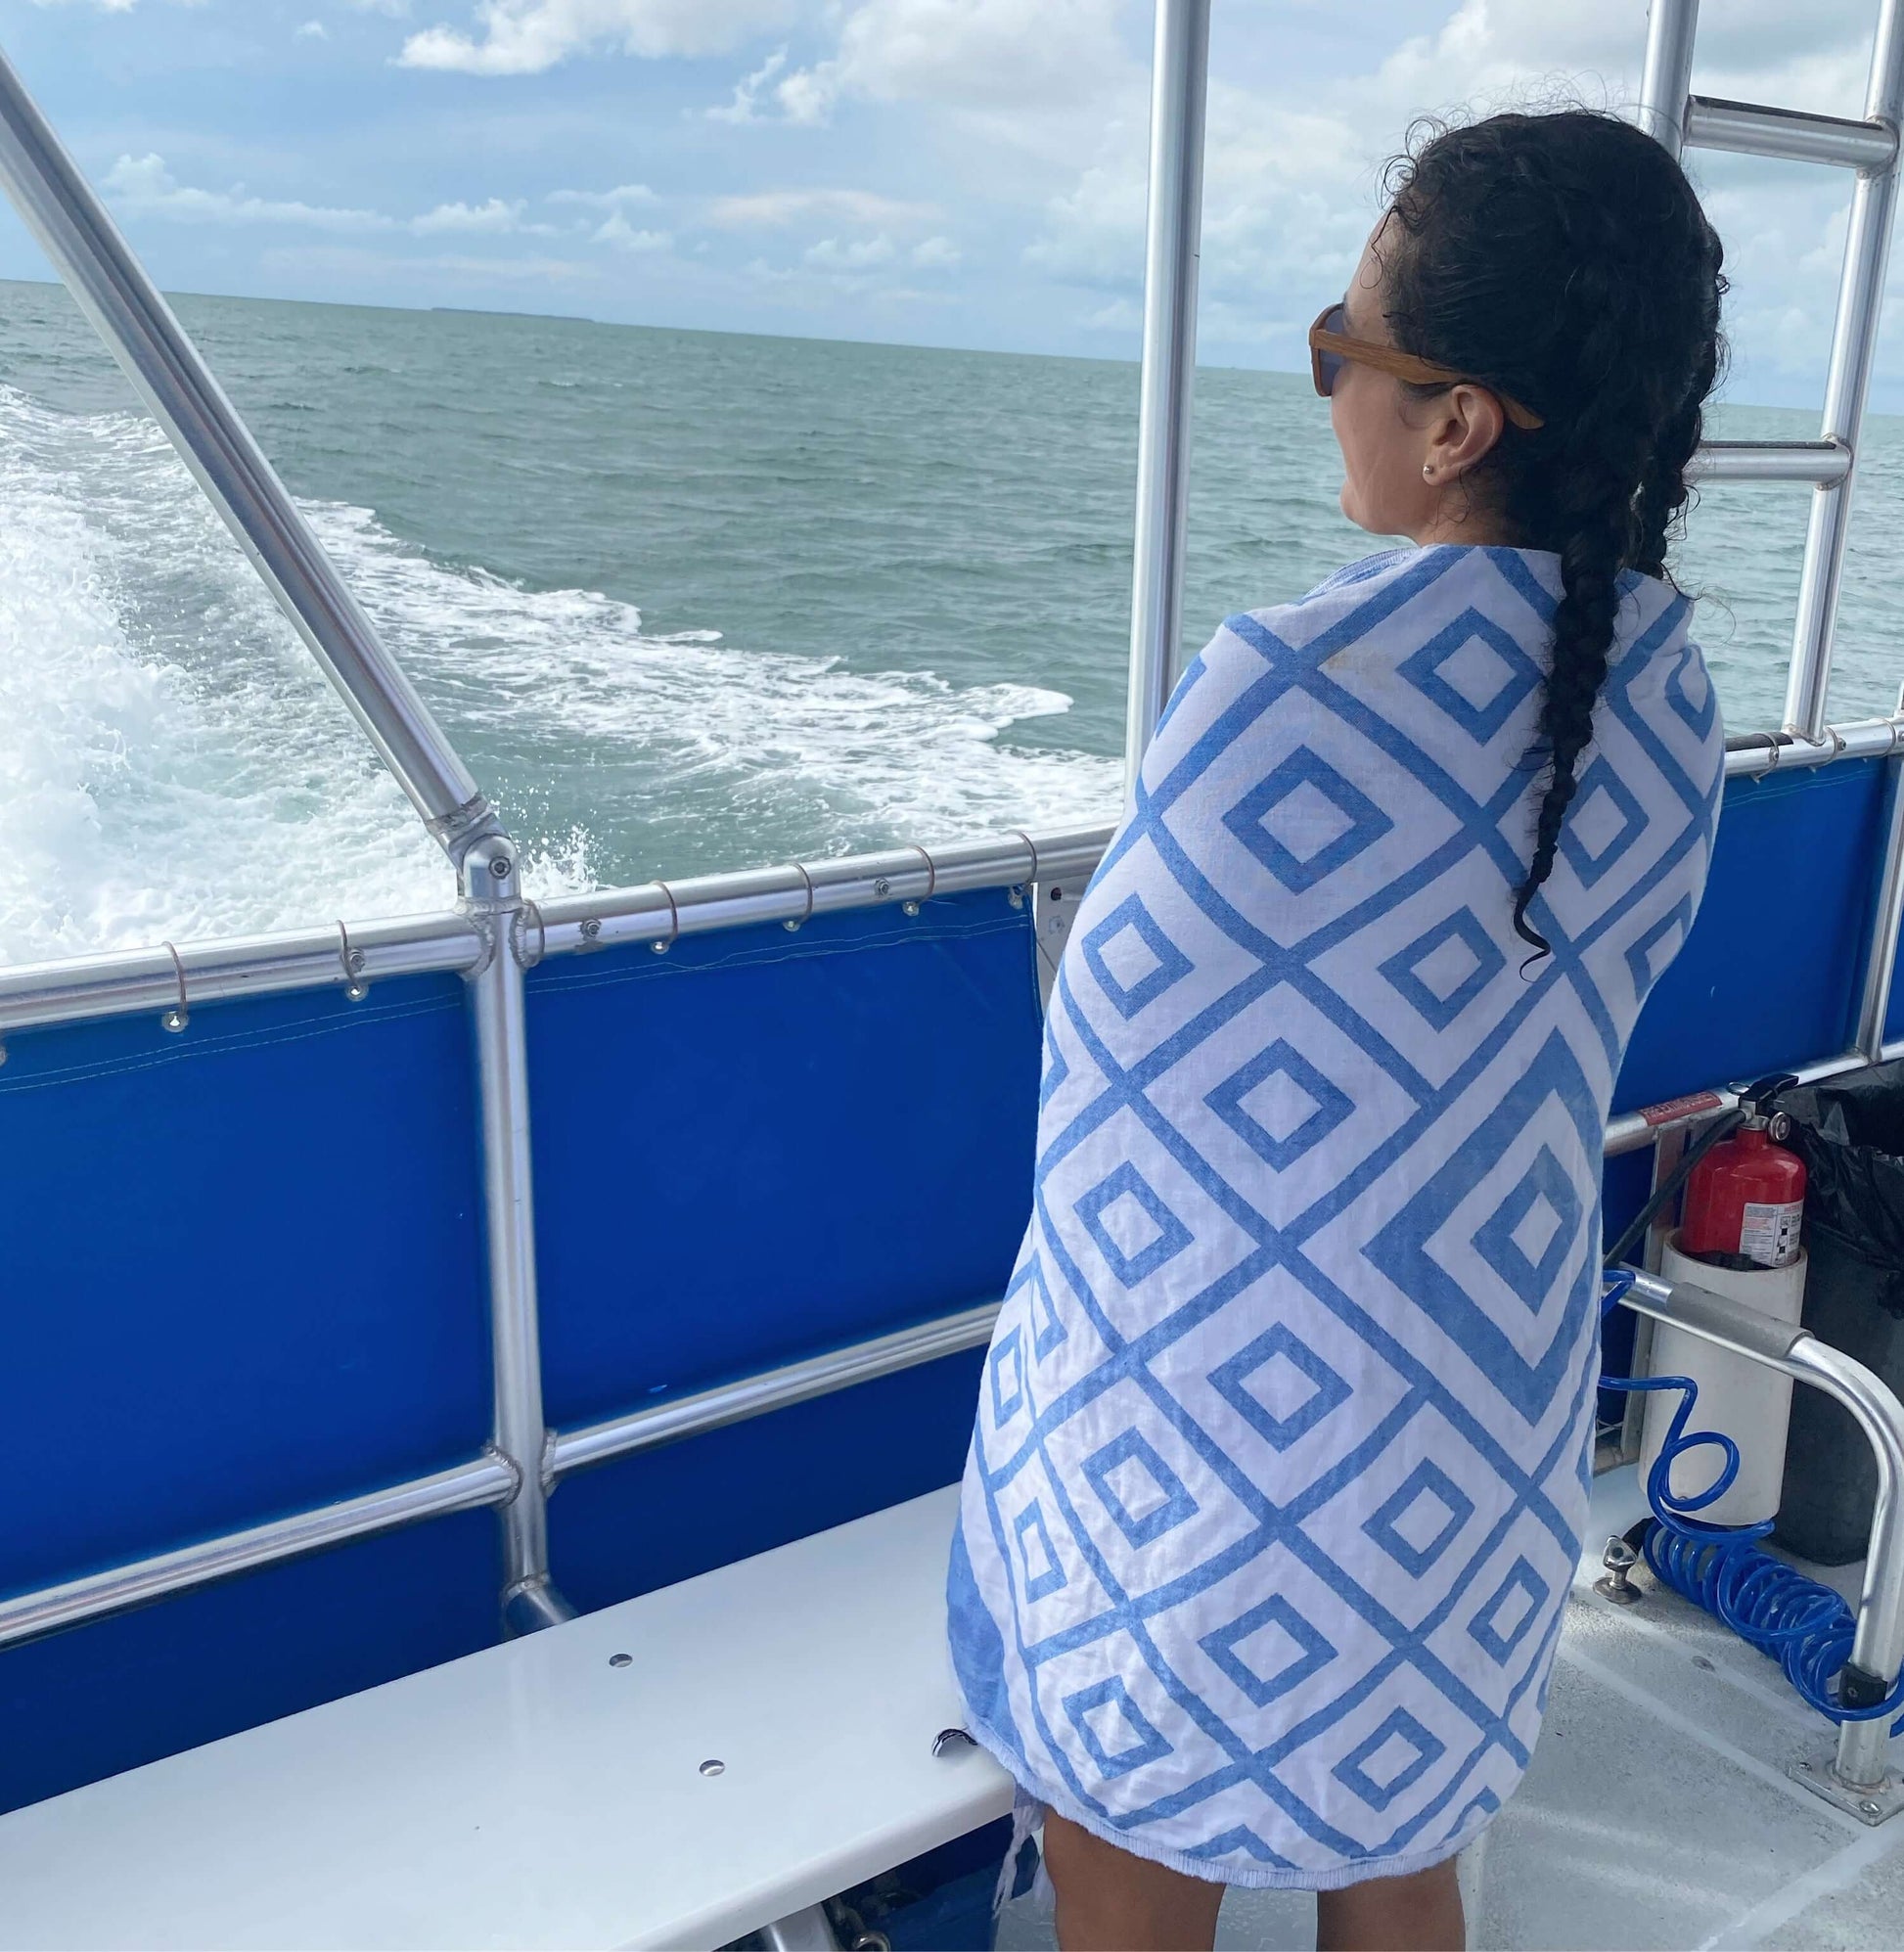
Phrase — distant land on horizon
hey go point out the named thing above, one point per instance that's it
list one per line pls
(797, 338)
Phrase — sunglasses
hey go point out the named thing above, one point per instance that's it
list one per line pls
(1330, 348)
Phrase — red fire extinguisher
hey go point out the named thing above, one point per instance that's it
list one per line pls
(1746, 1198)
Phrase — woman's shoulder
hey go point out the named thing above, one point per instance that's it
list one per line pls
(1406, 597)
(1394, 595)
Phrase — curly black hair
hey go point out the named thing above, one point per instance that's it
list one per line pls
(1566, 258)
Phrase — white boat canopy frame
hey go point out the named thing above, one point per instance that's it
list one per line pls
(493, 933)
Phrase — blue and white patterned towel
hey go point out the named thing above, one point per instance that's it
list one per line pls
(1282, 1453)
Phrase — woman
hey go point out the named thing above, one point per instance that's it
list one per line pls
(1282, 1453)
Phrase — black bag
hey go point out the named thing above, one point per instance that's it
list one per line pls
(1849, 1132)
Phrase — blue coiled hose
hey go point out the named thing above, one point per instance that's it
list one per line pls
(1805, 1626)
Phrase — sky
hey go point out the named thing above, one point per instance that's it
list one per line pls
(950, 172)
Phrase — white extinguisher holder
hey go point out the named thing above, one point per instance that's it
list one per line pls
(1738, 1397)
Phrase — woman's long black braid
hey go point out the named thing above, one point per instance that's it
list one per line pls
(1565, 257)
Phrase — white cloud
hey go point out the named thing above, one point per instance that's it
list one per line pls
(777, 209)
(527, 37)
(745, 104)
(144, 187)
(312, 31)
(623, 236)
(861, 255)
(141, 186)
(936, 254)
(626, 196)
(493, 216)
(395, 9)
(1008, 59)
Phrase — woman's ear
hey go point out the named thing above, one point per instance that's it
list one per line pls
(1463, 433)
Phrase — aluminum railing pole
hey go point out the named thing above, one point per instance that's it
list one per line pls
(1860, 301)
(492, 898)
(1666, 81)
(1887, 912)
(1179, 85)
(113, 291)
(1863, 1747)
(1861, 1766)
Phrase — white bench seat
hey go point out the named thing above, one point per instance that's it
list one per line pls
(536, 1794)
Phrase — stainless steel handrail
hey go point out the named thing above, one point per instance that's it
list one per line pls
(1847, 383)
(138, 326)
(1634, 1131)
(492, 899)
(1887, 913)
(1666, 78)
(1179, 86)
(1763, 753)
(126, 983)
(1818, 461)
(1792, 135)
(775, 1389)
(1879, 1646)
(465, 1487)
(1869, 146)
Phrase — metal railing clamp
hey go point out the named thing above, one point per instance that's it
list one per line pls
(518, 935)
(674, 920)
(795, 926)
(1016, 896)
(932, 879)
(353, 960)
(457, 832)
(180, 1014)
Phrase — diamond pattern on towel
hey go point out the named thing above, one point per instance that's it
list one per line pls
(1278, 1478)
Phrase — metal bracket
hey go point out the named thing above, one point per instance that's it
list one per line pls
(354, 986)
(530, 912)
(1054, 908)
(674, 917)
(932, 879)
(794, 926)
(1030, 882)
(180, 1014)
(1871, 1805)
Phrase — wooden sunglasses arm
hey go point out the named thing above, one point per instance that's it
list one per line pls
(1402, 365)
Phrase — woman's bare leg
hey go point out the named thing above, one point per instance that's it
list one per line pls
(1111, 1901)
(1419, 1912)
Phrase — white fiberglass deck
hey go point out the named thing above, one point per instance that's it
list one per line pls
(1657, 1813)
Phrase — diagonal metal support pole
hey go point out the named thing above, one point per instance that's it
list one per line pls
(116, 292)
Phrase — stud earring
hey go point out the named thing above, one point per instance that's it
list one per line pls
(1427, 471)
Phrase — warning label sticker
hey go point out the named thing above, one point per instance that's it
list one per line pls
(1769, 1234)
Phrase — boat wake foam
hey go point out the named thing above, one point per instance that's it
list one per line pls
(174, 764)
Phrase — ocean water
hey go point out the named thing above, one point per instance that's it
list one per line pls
(685, 601)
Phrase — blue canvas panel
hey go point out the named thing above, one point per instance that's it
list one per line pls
(1768, 978)
(761, 1144)
(119, 1693)
(239, 1267)
(648, 1521)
